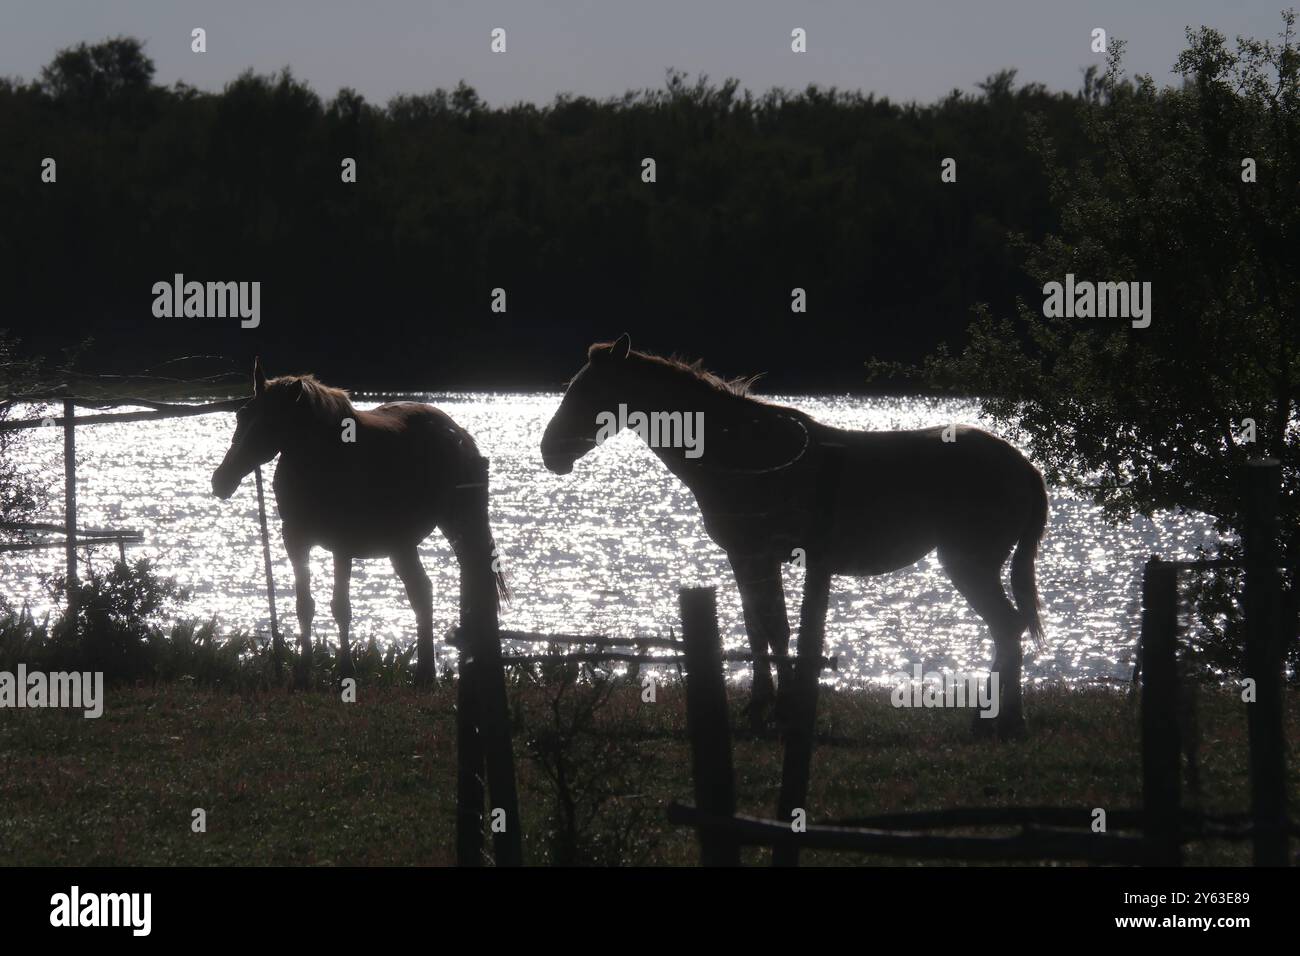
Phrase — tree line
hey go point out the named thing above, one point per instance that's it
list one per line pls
(388, 281)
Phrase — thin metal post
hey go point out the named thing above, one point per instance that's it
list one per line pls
(70, 504)
(277, 642)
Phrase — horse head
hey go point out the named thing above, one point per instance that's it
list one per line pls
(574, 428)
(260, 428)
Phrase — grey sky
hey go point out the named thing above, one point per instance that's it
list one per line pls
(904, 49)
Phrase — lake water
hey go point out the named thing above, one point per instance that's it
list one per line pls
(602, 550)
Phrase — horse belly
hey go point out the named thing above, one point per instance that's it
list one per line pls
(882, 525)
(373, 542)
(878, 550)
(362, 524)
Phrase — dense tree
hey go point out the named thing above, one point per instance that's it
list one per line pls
(1196, 190)
(98, 73)
(387, 281)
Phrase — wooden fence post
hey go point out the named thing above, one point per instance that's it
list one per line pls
(1264, 662)
(70, 505)
(277, 643)
(800, 706)
(481, 630)
(1161, 753)
(796, 765)
(707, 722)
(469, 768)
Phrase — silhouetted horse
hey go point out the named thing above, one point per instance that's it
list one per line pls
(361, 485)
(758, 472)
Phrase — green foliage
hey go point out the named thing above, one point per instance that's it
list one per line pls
(587, 743)
(117, 613)
(94, 74)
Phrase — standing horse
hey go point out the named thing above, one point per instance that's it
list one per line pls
(764, 491)
(362, 485)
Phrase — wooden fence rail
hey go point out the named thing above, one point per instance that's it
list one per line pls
(157, 412)
(1032, 843)
(120, 538)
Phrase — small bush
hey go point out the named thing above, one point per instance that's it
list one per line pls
(588, 745)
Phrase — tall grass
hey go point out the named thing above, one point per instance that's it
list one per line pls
(121, 628)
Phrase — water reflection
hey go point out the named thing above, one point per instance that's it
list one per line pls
(602, 550)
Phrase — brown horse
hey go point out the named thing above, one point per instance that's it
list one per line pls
(774, 485)
(362, 485)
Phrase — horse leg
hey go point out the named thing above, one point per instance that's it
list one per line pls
(762, 596)
(341, 606)
(419, 591)
(306, 607)
(980, 581)
(982, 726)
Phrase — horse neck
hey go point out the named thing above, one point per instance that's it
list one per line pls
(670, 392)
(316, 434)
(726, 451)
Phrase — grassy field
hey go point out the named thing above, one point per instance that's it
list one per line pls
(306, 779)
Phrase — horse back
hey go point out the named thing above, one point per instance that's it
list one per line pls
(387, 488)
(879, 500)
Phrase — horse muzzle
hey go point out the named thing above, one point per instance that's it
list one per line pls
(560, 454)
(558, 464)
(224, 484)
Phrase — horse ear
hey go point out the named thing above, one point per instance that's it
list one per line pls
(259, 377)
(622, 347)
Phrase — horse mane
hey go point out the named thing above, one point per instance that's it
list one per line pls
(322, 401)
(739, 386)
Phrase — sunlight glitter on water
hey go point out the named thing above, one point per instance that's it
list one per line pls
(602, 550)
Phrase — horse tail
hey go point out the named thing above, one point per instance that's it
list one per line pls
(1024, 585)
